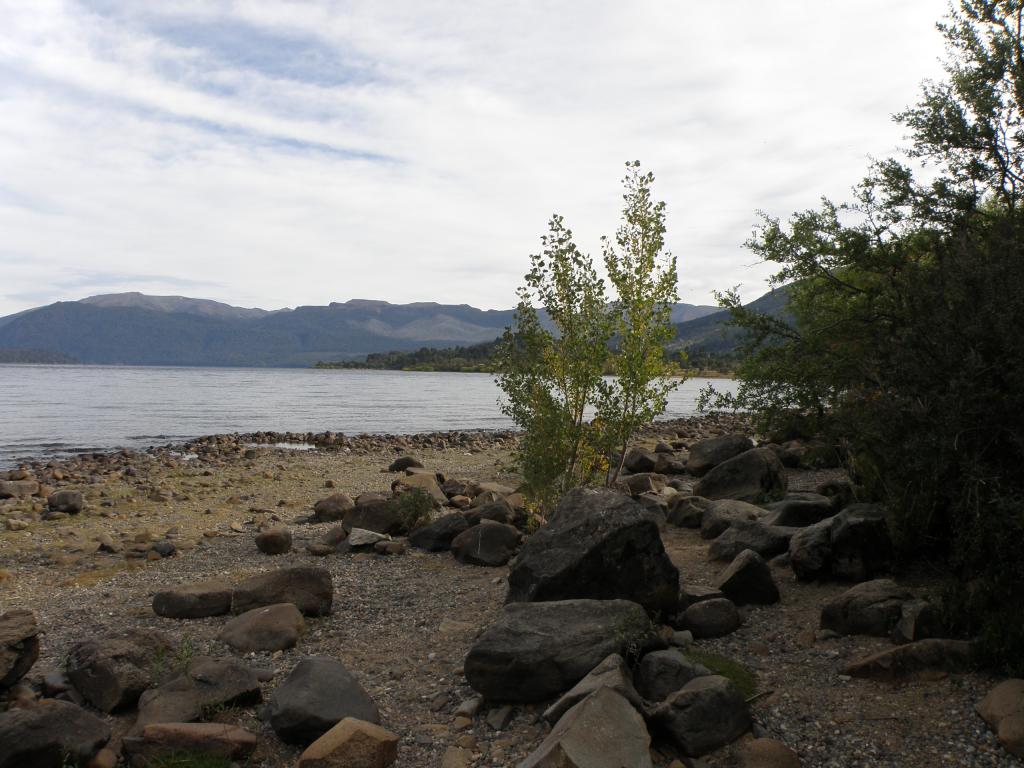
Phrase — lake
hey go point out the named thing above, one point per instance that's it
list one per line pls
(55, 410)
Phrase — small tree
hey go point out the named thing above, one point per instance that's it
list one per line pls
(644, 276)
(551, 377)
(553, 380)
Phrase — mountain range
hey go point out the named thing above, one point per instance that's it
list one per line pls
(138, 329)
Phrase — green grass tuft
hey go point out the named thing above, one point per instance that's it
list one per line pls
(741, 677)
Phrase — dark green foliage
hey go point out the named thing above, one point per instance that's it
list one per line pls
(741, 677)
(905, 344)
(476, 357)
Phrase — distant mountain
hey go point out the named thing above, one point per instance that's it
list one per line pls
(712, 333)
(136, 329)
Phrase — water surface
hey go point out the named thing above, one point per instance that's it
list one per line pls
(57, 410)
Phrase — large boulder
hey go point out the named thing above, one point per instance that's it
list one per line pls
(756, 476)
(271, 628)
(921, 660)
(639, 460)
(748, 580)
(766, 540)
(332, 508)
(661, 673)
(194, 601)
(207, 683)
(274, 541)
(870, 608)
(602, 731)
(374, 513)
(599, 544)
(535, 651)
(707, 713)
(438, 535)
(1003, 710)
(19, 645)
(51, 734)
(111, 672)
(10, 489)
(853, 545)
(707, 454)
(497, 511)
(721, 514)
(319, 693)
(308, 589)
(352, 743)
(488, 544)
(426, 483)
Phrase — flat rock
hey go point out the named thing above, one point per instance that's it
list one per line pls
(51, 734)
(748, 580)
(921, 660)
(719, 516)
(535, 651)
(111, 672)
(270, 628)
(598, 544)
(604, 730)
(318, 694)
(798, 510)
(610, 673)
(707, 713)
(308, 589)
(207, 683)
(361, 538)
(194, 601)
(162, 740)
(19, 645)
(766, 540)
(352, 743)
(488, 544)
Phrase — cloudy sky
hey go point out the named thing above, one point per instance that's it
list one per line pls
(282, 153)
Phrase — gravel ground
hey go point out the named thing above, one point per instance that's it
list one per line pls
(403, 624)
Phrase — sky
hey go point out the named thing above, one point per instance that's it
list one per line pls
(278, 154)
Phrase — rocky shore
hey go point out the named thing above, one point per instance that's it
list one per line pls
(321, 599)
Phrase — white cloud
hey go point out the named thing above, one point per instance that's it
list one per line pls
(284, 153)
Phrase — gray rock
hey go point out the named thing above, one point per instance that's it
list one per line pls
(870, 608)
(332, 509)
(643, 482)
(721, 514)
(274, 541)
(610, 673)
(438, 535)
(498, 511)
(535, 651)
(271, 628)
(68, 502)
(798, 510)
(309, 589)
(661, 673)
(403, 463)
(766, 540)
(362, 539)
(711, 618)
(861, 544)
(710, 452)
(748, 580)
(51, 734)
(319, 693)
(810, 551)
(708, 713)
(374, 513)
(602, 731)
(207, 684)
(918, 621)
(687, 511)
(923, 659)
(755, 476)
(194, 601)
(598, 544)
(19, 645)
(694, 593)
(488, 544)
(639, 460)
(111, 672)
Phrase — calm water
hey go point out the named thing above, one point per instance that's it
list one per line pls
(55, 410)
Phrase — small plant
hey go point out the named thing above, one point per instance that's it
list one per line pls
(412, 506)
